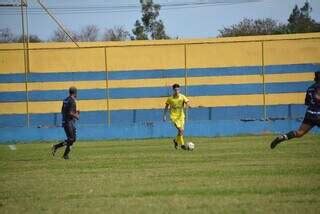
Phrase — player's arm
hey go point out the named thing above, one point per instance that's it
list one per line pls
(73, 112)
(186, 103)
(165, 112)
(307, 98)
(317, 95)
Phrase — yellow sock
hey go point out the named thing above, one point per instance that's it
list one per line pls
(178, 139)
(181, 140)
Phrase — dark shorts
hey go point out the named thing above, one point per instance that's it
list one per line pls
(71, 132)
(311, 120)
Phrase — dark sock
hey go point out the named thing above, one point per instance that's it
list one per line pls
(66, 152)
(57, 146)
(290, 135)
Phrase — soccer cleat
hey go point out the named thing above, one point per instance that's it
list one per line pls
(183, 147)
(66, 157)
(276, 141)
(53, 150)
(175, 144)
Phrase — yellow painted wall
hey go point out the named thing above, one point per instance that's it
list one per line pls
(157, 55)
(153, 103)
(11, 61)
(13, 108)
(145, 57)
(64, 60)
(159, 82)
(292, 51)
(166, 54)
(224, 55)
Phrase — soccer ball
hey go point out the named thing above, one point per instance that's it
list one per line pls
(190, 146)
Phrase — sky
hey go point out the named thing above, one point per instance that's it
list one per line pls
(185, 19)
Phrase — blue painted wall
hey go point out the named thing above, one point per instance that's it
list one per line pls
(151, 130)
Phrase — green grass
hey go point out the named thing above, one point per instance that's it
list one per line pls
(222, 175)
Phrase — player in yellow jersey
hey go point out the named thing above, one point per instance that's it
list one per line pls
(177, 102)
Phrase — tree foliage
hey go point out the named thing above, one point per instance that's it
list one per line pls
(117, 33)
(299, 21)
(32, 38)
(60, 36)
(248, 27)
(7, 36)
(88, 33)
(150, 26)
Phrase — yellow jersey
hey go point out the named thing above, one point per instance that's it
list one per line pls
(177, 106)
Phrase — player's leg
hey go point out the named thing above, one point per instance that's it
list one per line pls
(59, 145)
(71, 134)
(176, 139)
(303, 129)
(175, 143)
(181, 138)
(180, 128)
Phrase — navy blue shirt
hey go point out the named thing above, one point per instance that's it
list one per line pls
(311, 101)
(69, 105)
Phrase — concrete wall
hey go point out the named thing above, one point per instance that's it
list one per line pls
(125, 84)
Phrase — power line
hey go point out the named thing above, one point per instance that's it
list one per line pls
(127, 7)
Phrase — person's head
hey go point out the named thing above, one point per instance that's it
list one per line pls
(73, 91)
(176, 89)
(317, 76)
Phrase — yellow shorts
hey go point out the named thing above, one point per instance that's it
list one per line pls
(178, 122)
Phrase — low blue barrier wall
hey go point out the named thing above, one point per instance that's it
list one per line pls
(151, 130)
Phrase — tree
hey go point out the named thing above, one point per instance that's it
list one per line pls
(32, 38)
(253, 27)
(60, 36)
(117, 33)
(89, 33)
(158, 31)
(6, 35)
(300, 20)
(150, 27)
(139, 32)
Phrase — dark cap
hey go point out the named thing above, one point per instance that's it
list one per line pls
(72, 90)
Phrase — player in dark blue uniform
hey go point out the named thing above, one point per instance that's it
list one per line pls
(312, 116)
(69, 116)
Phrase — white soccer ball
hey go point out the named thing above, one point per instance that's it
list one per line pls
(190, 146)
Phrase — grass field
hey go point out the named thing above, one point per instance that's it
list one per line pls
(223, 175)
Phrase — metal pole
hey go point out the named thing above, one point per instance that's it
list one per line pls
(25, 60)
(27, 36)
(186, 77)
(28, 60)
(185, 69)
(107, 87)
(58, 23)
(263, 82)
(28, 39)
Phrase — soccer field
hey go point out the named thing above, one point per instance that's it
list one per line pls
(222, 175)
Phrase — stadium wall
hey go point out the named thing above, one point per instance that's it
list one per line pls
(236, 86)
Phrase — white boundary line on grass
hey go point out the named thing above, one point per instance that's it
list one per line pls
(12, 147)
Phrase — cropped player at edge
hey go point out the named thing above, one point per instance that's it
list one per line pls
(177, 102)
(312, 116)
